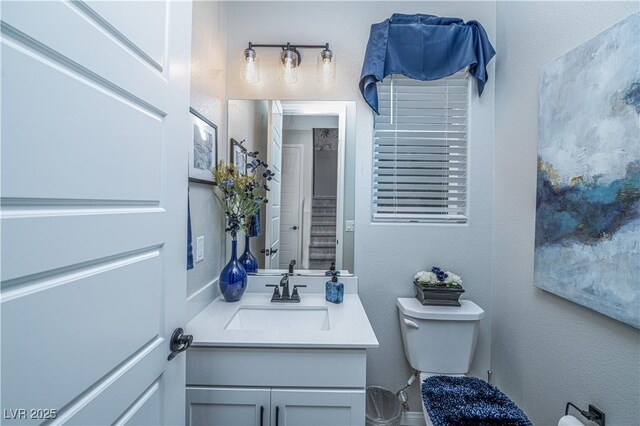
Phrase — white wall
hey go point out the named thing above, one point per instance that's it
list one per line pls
(386, 256)
(547, 350)
(309, 122)
(208, 87)
(324, 170)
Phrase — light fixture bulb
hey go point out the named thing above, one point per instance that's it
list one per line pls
(289, 68)
(326, 67)
(250, 70)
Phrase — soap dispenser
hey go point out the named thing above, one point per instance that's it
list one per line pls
(334, 289)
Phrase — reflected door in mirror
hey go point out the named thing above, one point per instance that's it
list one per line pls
(274, 158)
(291, 205)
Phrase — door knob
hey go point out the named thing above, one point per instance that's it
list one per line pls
(294, 227)
(274, 251)
(265, 251)
(179, 342)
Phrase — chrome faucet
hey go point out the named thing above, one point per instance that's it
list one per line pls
(284, 283)
(285, 297)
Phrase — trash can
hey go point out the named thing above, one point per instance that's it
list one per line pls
(383, 407)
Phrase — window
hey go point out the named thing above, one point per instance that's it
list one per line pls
(420, 150)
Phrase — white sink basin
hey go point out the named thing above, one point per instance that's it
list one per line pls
(280, 318)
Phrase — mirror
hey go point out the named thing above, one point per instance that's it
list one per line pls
(305, 145)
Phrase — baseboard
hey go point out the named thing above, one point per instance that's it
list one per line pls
(412, 418)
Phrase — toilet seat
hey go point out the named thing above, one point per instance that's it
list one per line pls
(424, 375)
(457, 398)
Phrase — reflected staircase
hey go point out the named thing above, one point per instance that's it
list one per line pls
(322, 247)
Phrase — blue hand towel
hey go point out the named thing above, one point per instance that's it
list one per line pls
(189, 237)
(254, 225)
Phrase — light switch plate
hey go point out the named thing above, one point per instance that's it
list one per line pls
(200, 249)
(350, 225)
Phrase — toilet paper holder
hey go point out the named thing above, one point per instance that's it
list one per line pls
(594, 414)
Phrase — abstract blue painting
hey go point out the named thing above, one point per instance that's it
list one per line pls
(587, 244)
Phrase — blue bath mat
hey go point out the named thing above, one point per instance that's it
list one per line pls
(469, 401)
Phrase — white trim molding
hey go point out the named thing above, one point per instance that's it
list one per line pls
(412, 418)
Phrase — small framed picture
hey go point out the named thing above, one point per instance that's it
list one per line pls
(203, 152)
(239, 156)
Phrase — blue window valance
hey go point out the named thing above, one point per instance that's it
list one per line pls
(423, 47)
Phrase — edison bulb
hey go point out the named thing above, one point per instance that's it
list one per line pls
(250, 70)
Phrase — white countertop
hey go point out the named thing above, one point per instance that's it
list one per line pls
(349, 325)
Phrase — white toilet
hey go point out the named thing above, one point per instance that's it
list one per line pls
(439, 340)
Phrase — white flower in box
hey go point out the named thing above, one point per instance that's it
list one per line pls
(453, 279)
(438, 277)
(424, 277)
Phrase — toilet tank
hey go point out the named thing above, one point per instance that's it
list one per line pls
(439, 339)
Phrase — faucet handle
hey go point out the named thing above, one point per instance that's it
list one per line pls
(294, 293)
(276, 290)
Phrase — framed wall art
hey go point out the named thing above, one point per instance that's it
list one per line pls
(588, 199)
(239, 156)
(203, 150)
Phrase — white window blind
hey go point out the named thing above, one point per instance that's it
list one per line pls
(420, 150)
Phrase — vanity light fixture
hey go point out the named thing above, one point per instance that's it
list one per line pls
(326, 67)
(250, 67)
(290, 59)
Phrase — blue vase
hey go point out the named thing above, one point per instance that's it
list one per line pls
(248, 260)
(233, 278)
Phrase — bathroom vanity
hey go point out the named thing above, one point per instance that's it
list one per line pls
(255, 362)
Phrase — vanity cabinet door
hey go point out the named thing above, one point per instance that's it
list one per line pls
(228, 406)
(296, 407)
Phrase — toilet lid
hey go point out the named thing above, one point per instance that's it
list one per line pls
(468, 311)
(424, 376)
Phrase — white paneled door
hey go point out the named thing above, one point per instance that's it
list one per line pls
(95, 125)
(291, 204)
(274, 158)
